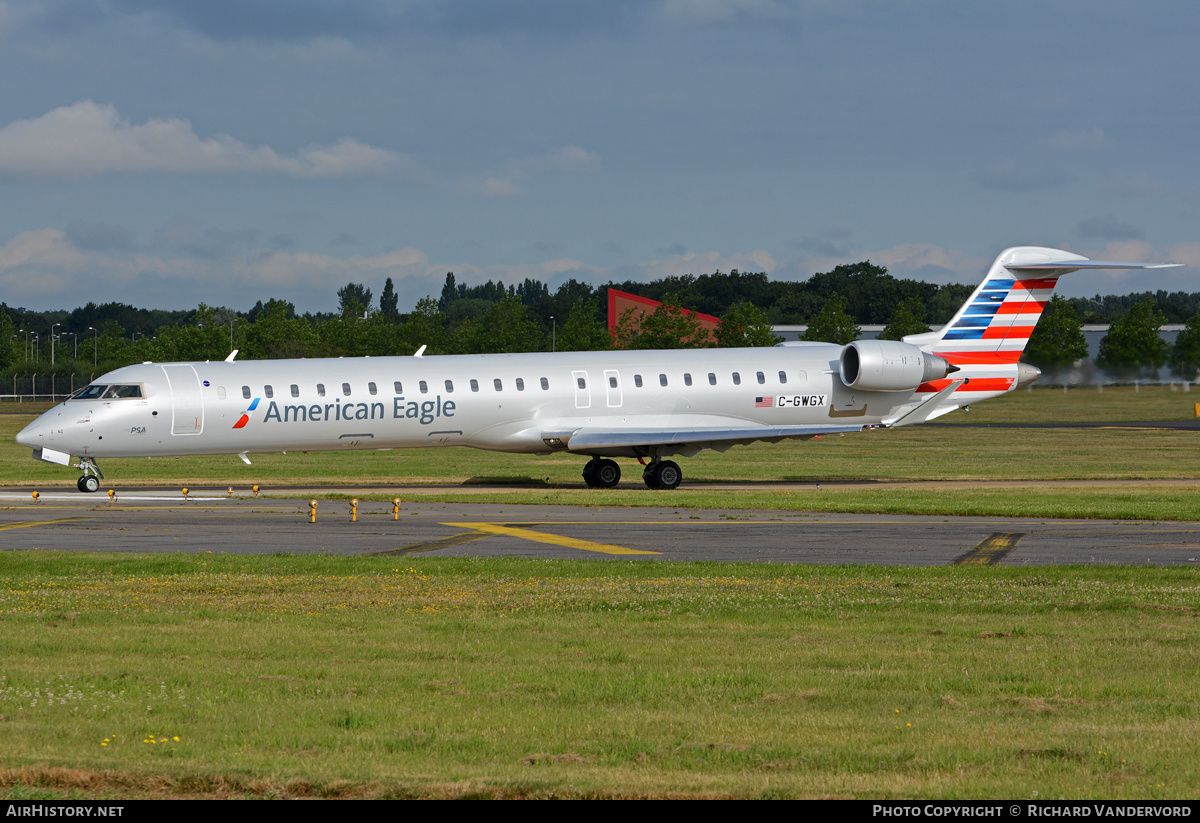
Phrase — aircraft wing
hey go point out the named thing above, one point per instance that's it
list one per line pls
(687, 439)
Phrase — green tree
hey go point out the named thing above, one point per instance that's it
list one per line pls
(909, 318)
(388, 302)
(353, 300)
(505, 327)
(670, 327)
(1133, 342)
(832, 324)
(745, 325)
(1057, 340)
(1185, 355)
(583, 330)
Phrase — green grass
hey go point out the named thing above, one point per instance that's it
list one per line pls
(361, 677)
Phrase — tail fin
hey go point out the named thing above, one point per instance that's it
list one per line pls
(995, 324)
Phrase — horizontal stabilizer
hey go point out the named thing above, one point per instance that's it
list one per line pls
(1064, 266)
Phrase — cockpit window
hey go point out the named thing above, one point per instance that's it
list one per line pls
(108, 392)
(123, 391)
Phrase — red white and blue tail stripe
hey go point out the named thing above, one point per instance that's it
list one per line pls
(986, 337)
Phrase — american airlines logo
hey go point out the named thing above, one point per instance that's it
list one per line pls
(245, 418)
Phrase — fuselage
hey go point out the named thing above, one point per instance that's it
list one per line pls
(512, 402)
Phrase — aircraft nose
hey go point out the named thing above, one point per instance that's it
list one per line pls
(28, 436)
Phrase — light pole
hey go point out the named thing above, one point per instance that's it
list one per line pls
(553, 334)
(37, 349)
(26, 344)
(231, 322)
(95, 346)
(75, 340)
(52, 328)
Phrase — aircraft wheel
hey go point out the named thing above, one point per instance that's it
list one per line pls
(79, 483)
(663, 475)
(89, 483)
(607, 473)
(669, 475)
(589, 474)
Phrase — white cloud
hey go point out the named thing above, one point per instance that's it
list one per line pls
(88, 138)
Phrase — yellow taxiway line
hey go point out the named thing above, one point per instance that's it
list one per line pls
(554, 539)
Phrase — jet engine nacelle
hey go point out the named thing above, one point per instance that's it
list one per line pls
(889, 365)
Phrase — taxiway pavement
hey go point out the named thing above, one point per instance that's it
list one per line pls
(150, 520)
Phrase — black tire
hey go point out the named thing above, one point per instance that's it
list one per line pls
(607, 473)
(79, 483)
(669, 475)
(89, 483)
(589, 475)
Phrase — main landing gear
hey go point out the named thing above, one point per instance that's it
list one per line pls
(90, 482)
(602, 473)
(663, 474)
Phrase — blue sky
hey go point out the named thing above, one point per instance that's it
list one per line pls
(170, 153)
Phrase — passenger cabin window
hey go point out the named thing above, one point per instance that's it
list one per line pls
(372, 388)
(783, 377)
(295, 390)
(737, 379)
(662, 380)
(545, 384)
(712, 379)
(269, 392)
(449, 386)
(520, 384)
(762, 378)
(399, 388)
(423, 386)
(245, 392)
(580, 382)
(612, 382)
(474, 384)
(320, 390)
(637, 380)
(687, 379)
(346, 389)
(497, 384)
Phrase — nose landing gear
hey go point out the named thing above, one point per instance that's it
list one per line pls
(90, 482)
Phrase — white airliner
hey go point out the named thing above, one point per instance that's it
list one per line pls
(648, 405)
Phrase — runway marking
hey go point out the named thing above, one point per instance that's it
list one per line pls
(8, 526)
(432, 545)
(991, 551)
(554, 539)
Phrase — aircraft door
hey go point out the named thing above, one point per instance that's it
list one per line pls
(583, 393)
(612, 384)
(187, 401)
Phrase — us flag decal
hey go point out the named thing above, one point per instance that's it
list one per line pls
(764, 402)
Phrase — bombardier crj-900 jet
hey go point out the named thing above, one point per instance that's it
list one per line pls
(648, 405)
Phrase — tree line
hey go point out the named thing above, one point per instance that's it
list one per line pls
(528, 316)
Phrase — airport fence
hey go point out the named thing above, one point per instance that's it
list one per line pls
(41, 387)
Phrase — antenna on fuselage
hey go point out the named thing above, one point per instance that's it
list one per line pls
(232, 355)
(420, 352)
